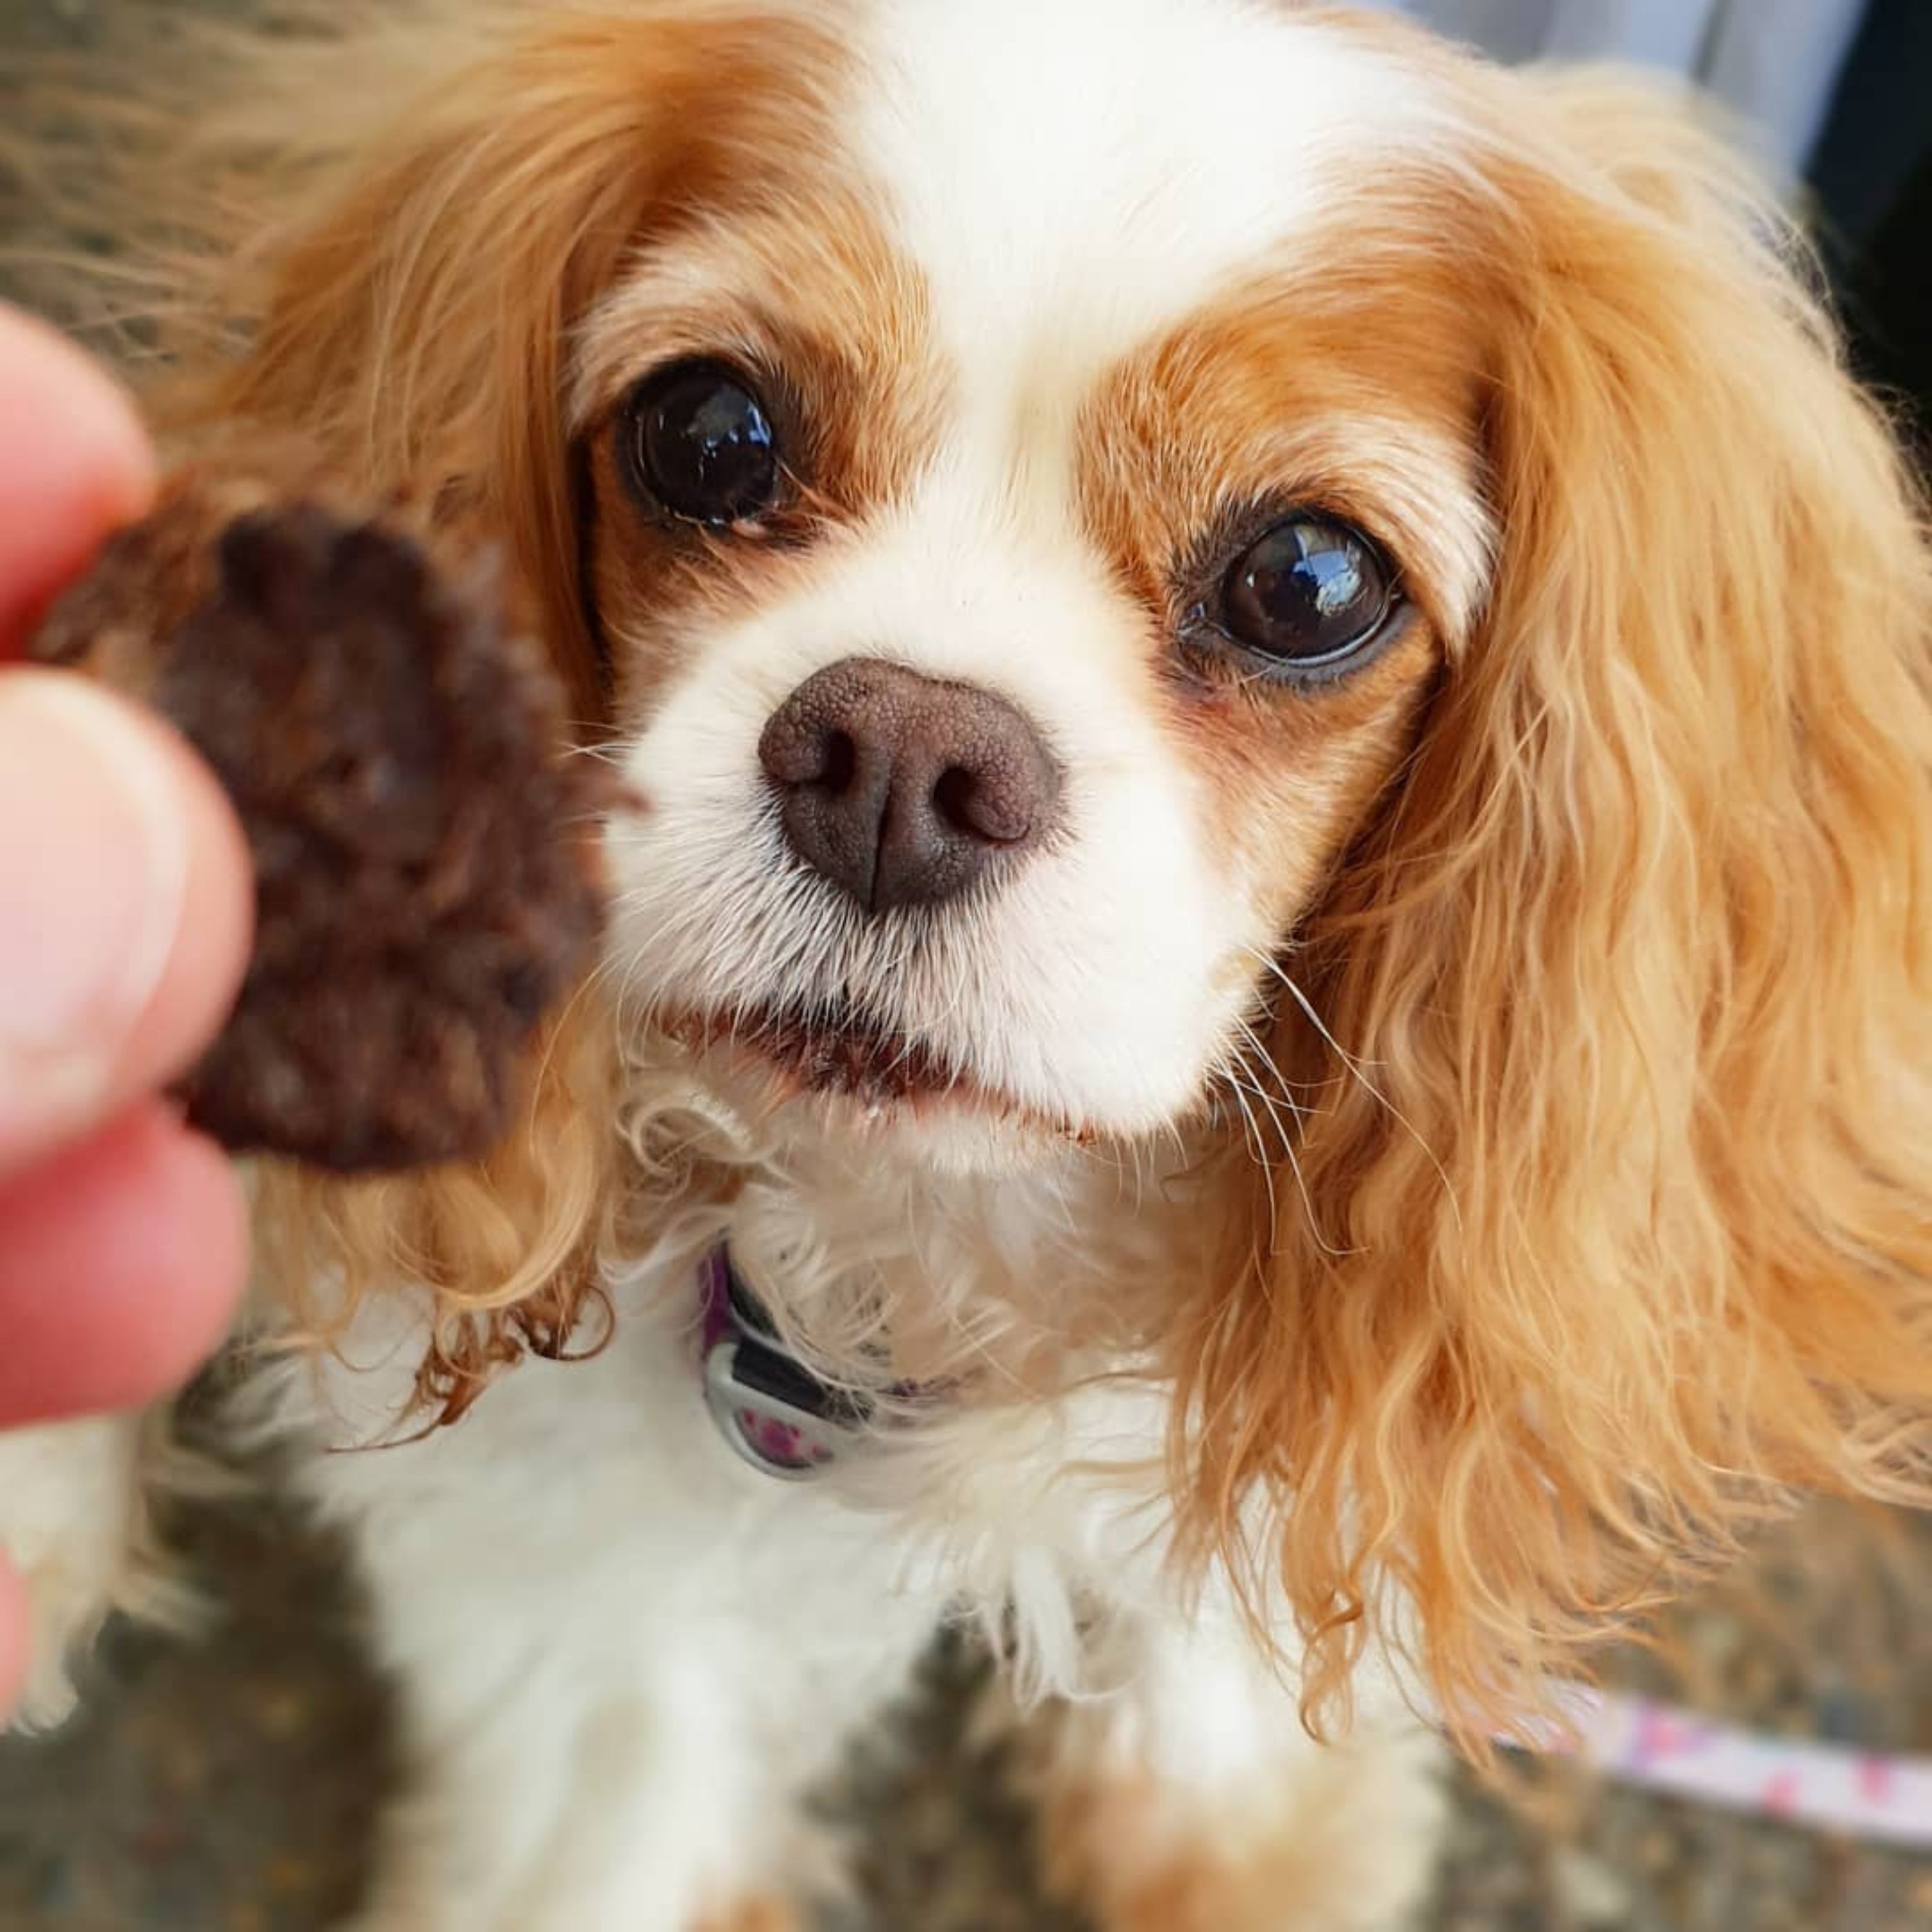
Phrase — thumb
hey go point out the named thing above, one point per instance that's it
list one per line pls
(125, 908)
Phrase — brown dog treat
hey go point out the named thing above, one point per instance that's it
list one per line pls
(427, 872)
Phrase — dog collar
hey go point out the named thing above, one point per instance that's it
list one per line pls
(768, 1405)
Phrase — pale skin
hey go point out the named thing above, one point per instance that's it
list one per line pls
(125, 907)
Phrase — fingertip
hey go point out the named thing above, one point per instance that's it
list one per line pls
(120, 852)
(195, 1264)
(123, 1261)
(206, 1265)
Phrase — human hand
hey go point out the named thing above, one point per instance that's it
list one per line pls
(125, 911)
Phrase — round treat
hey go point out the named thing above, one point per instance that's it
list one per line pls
(427, 867)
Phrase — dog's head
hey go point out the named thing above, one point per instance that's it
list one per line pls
(1021, 546)
(1165, 561)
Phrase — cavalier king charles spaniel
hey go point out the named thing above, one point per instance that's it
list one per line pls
(1266, 1018)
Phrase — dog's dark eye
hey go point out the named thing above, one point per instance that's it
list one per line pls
(694, 439)
(1310, 593)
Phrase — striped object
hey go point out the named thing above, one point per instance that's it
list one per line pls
(1828, 1787)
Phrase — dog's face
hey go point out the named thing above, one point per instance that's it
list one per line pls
(1138, 553)
(1020, 573)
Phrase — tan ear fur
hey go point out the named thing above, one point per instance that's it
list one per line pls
(409, 302)
(1619, 1218)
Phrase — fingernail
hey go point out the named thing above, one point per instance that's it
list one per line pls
(93, 860)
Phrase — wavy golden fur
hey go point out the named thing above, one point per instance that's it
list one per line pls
(1623, 1230)
(1618, 1207)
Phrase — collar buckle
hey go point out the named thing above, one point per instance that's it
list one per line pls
(768, 1406)
(776, 1437)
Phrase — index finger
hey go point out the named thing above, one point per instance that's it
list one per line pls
(74, 463)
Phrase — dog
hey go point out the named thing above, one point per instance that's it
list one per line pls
(1265, 1023)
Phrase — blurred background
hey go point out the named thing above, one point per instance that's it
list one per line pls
(1835, 95)
(230, 1787)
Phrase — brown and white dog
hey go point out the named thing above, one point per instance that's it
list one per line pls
(1267, 1020)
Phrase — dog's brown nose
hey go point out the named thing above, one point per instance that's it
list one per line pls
(902, 789)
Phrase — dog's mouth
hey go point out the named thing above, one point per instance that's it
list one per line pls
(837, 1051)
(835, 1048)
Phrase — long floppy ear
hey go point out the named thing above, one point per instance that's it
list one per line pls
(1618, 1225)
(394, 229)
(407, 222)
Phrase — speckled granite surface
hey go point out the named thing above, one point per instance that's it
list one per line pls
(228, 1786)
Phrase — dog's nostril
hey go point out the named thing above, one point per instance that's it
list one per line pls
(964, 801)
(839, 763)
(952, 798)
